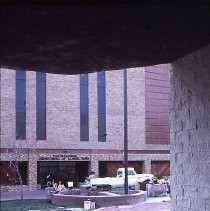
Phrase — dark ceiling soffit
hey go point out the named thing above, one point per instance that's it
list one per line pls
(75, 38)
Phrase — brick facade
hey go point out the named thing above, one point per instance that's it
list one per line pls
(63, 121)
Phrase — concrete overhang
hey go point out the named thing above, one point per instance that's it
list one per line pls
(78, 37)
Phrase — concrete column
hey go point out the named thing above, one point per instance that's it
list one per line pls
(32, 171)
(94, 166)
(190, 132)
(147, 166)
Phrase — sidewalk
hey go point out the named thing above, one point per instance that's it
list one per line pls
(161, 206)
(151, 204)
(13, 195)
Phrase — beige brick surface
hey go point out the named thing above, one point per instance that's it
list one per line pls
(63, 119)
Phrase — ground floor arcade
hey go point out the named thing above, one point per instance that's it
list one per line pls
(37, 167)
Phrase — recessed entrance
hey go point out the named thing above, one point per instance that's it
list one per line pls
(75, 171)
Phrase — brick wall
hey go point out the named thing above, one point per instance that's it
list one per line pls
(190, 132)
(7, 120)
(63, 120)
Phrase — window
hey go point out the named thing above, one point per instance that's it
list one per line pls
(41, 106)
(130, 173)
(57, 170)
(101, 106)
(8, 174)
(20, 104)
(84, 119)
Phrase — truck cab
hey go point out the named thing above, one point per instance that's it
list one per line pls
(121, 172)
(118, 181)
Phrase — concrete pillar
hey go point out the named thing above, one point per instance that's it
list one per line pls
(190, 132)
(32, 166)
(147, 166)
(94, 166)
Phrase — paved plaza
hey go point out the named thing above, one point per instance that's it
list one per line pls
(156, 206)
(151, 204)
(155, 203)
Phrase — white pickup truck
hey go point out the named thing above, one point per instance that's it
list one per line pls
(118, 181)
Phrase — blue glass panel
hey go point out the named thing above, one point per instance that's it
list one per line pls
(41, 106)
(20, 104)
(101, 81)
(101, 100)
(84, 79)
(41, 95)
(84, 99)
(84, 108)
